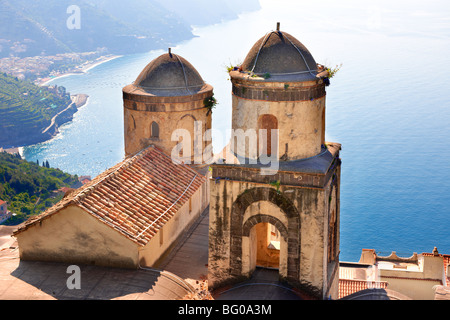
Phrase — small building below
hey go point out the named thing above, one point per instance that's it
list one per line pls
(423, 276)
(128, 216)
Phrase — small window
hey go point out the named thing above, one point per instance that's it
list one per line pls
(267, 122)
(154, 130)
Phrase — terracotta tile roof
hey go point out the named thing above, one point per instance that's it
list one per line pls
(350, 286)
(136, 197)
(2, 202)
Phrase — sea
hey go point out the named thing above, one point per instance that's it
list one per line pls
(388, 105)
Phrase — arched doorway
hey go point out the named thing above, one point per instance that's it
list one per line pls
(264, 233)
(246, 212)
(261, 246)
(267, 243)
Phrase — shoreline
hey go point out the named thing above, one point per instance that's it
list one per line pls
(78, 100)
(84, 70)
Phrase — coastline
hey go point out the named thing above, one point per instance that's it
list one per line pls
(78, 100)
(85, 68)
(47, 134)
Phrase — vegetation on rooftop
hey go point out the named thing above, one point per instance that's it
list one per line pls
(210, 103)
(332, 71)
(30, 188)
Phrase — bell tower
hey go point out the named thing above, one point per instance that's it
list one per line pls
(288, 217)
(168, 105)
(276, 88)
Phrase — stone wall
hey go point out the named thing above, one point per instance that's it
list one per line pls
(300, 214)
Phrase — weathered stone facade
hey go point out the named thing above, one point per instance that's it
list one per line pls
(298, 107)
(276, 89)
(302, 214)
(169, 113)
(168, 94)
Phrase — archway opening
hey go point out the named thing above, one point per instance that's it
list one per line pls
(276, 212)
(265, 246)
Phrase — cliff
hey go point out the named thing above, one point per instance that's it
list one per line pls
(30, 114)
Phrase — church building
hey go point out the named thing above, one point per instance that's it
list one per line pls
(131, 214)
(273, 194)
(282, 213)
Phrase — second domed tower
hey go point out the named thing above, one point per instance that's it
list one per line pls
(276, 88)
(168, 94)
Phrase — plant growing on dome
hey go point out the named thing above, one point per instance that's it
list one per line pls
(332, 71)
(209, 103)
(233, 67)
(326, 73)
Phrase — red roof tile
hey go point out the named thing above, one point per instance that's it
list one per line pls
(348, 287)
(135, 197)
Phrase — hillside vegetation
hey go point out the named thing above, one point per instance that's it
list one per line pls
(29, 188)
(39, 27)
(26, 110)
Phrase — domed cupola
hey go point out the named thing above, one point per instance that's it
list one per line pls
(170, 75)
(167, 95)
(277, 89)
(282, 57)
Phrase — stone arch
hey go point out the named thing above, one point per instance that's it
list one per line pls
(254, 220)
(188, 115)
(238, 229)
(250, 247)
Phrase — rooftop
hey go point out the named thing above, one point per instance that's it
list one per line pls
(318, 164)
(136, 197)
(282, 56)
(169, 75)
(181, 274)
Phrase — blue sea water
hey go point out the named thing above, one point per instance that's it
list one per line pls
(388, 106)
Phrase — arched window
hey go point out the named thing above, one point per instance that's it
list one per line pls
(154, 130)
(267, 122)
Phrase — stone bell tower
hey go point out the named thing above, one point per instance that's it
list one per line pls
(167, 105)
(288, 217)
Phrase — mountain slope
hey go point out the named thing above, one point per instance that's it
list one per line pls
(26, 110)
(28, 187)
(38, 27)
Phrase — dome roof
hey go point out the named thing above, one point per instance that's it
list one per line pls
(282, 56)
(170, 75)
